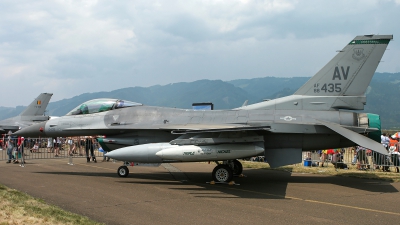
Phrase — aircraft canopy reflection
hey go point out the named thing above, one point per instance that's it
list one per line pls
(101, 105)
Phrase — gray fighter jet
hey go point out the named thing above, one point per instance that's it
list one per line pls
(34, 113)
(316, 117)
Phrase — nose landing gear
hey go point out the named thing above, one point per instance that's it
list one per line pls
(123, 171)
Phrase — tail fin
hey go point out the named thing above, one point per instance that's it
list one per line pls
(38, 106)
(340, 84)
(350, 71)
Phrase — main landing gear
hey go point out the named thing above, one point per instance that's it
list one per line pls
(224, 172)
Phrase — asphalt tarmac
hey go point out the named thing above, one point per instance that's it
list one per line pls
(178, 194)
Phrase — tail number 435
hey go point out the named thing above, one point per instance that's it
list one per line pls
(330, 87)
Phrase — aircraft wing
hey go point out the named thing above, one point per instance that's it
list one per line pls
(346, 131)
(355, 137)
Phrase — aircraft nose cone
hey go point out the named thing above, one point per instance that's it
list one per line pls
(35, 130)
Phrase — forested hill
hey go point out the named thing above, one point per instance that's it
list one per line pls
(383, 99)
(381, 95)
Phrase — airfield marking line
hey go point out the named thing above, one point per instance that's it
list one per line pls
(318, 202)
(352, 207)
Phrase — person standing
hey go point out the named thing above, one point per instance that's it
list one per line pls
(394, 152)
(10, 147)
(362, 158)
(323, 157)
(81, 144)
(385, 140)
(89, 147)
(71, 146)
(20, 148)
(50, 145)
(3, 144)
(57, 146)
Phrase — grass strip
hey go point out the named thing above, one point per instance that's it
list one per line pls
(19, 208)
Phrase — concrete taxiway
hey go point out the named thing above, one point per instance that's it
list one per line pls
(178, 194)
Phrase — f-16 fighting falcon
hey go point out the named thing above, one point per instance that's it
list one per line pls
(315, 117)
(34, 113)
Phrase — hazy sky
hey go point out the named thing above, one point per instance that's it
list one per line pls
(73, 47)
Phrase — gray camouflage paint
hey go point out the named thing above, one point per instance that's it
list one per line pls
(308, 120)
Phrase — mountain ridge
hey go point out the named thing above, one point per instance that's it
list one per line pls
(381, 95)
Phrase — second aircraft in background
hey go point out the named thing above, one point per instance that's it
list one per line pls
(34, 113)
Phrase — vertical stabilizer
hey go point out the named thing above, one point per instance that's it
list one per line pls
(350, 71)
(340, 84)
(38, 106)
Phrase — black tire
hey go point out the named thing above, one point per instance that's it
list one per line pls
(123, 171)
(222, 173)
(237, 167)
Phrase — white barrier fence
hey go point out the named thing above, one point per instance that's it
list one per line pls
(80, 147)
(48, 148)
(362, 159)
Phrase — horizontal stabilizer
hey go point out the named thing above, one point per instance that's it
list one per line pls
(356, 138)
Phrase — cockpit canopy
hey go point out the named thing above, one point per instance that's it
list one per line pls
(101, 105)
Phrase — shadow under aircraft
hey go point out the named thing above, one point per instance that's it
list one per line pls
(260, 183)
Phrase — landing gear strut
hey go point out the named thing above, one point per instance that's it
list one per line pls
(236, 167)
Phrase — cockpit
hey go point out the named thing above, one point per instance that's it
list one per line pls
(101, 105)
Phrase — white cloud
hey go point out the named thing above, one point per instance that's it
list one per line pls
(61, 46)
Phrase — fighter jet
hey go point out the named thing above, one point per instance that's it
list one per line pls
(34, 113)
(317, 116)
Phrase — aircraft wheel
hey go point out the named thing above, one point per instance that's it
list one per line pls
(123, 171)
(237, 167)
(222, 173)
